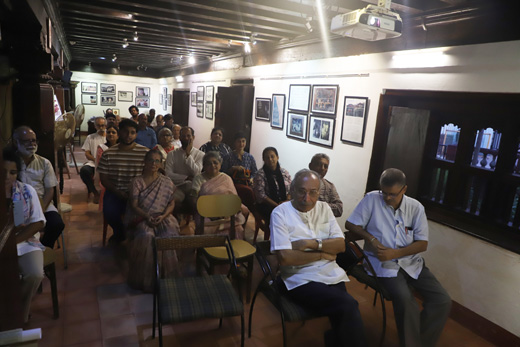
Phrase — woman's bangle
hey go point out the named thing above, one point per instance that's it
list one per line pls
(372, 239)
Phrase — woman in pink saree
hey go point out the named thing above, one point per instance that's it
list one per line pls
(213, 182)
(149, 214)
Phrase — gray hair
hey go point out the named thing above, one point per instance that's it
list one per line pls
(319, 156)
(164, 130)
(300, 175)
(211, 155)
(100, 117)
(391, 177)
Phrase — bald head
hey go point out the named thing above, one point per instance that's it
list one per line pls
(391, 177)
(305, 190)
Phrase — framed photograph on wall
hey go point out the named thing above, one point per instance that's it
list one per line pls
(165, 98)
(107, 88)
(116, 111)
(200, 94)
(263, 109)
(324, 99)
(143, 102)
(209, 93)
(209, 110)
(277, 110)
(141, 92)
(321, 130)
(299, 95)
(89, 87)
(108, 100)
(125, 96)
(194, 99)
(161, 97)
(297, 126)
(200, 109)
(89, 99)
(354, 120)
(169, 97)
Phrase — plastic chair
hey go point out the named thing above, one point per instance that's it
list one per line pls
(289, 310)
(186, 299)
(225, 207)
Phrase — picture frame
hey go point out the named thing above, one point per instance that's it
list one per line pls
(161, 97)
(200, 109)
(354, 120)
(169, 98)
(297, 126)
(115, 111)
(324, 99)
(125, 96)
(194, 99)
(141, 92)
(165, 98)
(263, 109)
(209, 110)
(142, 102)
(277, 111)
(200, 94)
(321, 130)
(299, 96)
(210, 90)
(108, 100)
(89, 87)
(89, 99)
(107, 88)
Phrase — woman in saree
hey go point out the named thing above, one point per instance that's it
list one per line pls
(149, 214)
(213, 182)
(165, 145)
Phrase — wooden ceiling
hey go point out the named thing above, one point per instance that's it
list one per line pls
(170, 31)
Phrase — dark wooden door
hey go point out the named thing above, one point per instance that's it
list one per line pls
(181, 107)
(234, 111)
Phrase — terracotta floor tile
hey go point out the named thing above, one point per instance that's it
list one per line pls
(114, 307)
(112, 291)
(98, 343)
(80, 313)
(80, 296)
(142, 303)
(52, 336)
(81, 332)
(115, 326)
(127, 341)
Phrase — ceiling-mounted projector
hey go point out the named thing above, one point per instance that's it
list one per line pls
(370, 24)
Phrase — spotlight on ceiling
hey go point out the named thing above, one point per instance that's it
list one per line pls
(308, 25)
(179, 78)
(125, 43)
(135, 36)
(114, 57)
(247, 47)
(191, 60)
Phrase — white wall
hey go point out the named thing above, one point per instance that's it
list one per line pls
(478, 275)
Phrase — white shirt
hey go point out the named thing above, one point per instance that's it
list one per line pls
(91, 144)
(177, 143)
(178, 167)
(288, 224)
(40, 175)
(36, 216)
(393, 228)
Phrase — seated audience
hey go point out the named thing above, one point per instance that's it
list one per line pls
(328, 193)
(271, 185)
(134, 112)
(167, 123)
(239, 164)
(165, 144)
(176, 132)
(29, 248)
(216, 143)
(213, 182)
(183, 164)
(150, 117)
(159, 123)
(112, 137)
(117, 166)
(395, 230)
(109, 112)
(149, 215)
(306, 240)
(37, 172)
(145, 135)
(111, 119)
(90, 147)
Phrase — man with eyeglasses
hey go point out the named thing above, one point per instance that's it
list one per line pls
(395, 231)
(37, 172)
(90, 147)
(306, 238)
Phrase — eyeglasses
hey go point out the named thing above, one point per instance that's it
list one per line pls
(313, 193)
(100, 125)
(391, 195)
(30, 141)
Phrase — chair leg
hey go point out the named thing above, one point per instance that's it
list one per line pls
(65, 262)
(71, 149)
(160, 334)
(220, 323)
(251, 311)
(283, 330)
(65, 163)
(375, 298)
(50, 272)
(242, 329)
(154, 314)
(249, 278)
(384, 320)
(105, 227)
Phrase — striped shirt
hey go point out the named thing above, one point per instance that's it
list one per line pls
(122, 165)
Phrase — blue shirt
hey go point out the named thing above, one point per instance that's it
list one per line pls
(146, 138)
(393, 228)
(248, 162)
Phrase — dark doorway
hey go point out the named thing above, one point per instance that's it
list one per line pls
(181, 107)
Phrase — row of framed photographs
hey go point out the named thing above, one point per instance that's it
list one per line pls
(108, 88)
(202, 99)
(324, 99)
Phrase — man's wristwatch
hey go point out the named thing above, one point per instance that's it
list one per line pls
(320, 244)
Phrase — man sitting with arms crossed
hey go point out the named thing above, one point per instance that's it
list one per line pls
(328, 193)
(37, 172)
(90, 147)
(306, 238)
(117, 166)
(395, 230)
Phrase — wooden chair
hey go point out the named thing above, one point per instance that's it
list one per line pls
(186, 299)
(49, 269)
(224, 207)
(289, 310)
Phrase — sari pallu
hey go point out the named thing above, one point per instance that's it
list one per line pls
(219, 185)
(153, 198)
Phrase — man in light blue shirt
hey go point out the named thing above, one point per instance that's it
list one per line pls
(395, 230)
(145, 135)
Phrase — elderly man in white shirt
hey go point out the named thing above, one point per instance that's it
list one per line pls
(395, 230)
(184, 163)
(306, 239)
(90, 147)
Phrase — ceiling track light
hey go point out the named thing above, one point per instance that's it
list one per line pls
(135, 36)
(191, 60)
(308, 25)
(125, 43)
(252, 39)
(247, 47)
(114, 57)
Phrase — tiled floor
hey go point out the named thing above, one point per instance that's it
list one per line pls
(97, 308)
